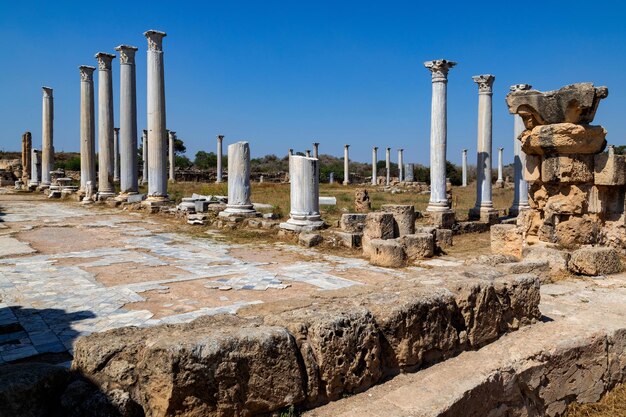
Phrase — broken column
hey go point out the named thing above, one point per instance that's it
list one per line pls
(400, 165)
(409, 176)
(307, 153)
(239, 204)
(483, 210)
(316, 150)
(500, 180)
(387, 166)
(35, 169)
(171, 155)
(144, 156)
(374, 165)
(464, 167)
(346, 165)
(304, 195)
(27, 151)
(520, 191)
(105, 126)
(87, 127)
(220, 138)
(128, 123)
(116, 155)
(47, 132)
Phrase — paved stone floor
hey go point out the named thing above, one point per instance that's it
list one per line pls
(67, 270)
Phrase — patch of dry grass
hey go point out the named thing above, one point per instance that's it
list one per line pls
(613, 404)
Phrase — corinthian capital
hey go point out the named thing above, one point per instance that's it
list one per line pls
(155, 39)
(520, 87)
(47, 91)
(104, 60)
(439, 69)
(485, 83)
(127, 53)
(86, 73)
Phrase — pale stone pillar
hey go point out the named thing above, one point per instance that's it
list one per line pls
(304, 195)
(116, 155)
(157, 162)
(47, 137)
(35, 168)
(87, 127)
(128, 123)
(105, 126)
(331, 178)
(239, 204)
(316, 150)
(290, 152)
(374, 165)
(500, 181)
(144, 156)
(400, 165)
(27, 154)
(483, 209)
(520, 193)
(464, 165)
(172, 137)
(346, 165)
(438, 134)
(408, 172)
(220, 138)
(388, 165)
(307, 153)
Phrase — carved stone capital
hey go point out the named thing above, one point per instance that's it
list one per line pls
(439, 69)
(104, 61)
(220, 137)
(86, 73)
(346, 146)
(127, 53)
(47, 92)
(375, 148)
(172, 134)
(155, 39)
(520, 87)
(485, 83)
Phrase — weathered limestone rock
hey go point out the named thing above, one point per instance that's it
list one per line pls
(362, 202)
(567, 168)
(609, 169)
(531, 171)
(377, 226)
(506, 239)
(403, 218)
(563, 138)
(557, 259)
(387, 252)
(419, 245)
(349, 239)
(443, 238)
(576, 231)
(309, 239)
(595, 261)
(352, 222)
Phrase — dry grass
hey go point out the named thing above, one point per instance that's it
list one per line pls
(612, 404)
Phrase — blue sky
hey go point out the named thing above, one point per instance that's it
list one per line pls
(284, 74)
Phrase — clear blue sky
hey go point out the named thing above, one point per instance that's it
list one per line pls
(284, 74)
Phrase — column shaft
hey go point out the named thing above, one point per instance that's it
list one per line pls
(484, 145)
(116, 154)
(346, 165)
(400, 165)
(87, 127)
(172, 159)
(105, 125)
(374, 165)
(520, 192)
(47, 132)
(129, 182)
(239, 181)
(464, 166)
(27, 150)
(304, 195)
(144, 156)
(388, 165)
(35, 168)
(220, 138)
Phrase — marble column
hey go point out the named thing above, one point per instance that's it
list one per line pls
(220, 138)
(157, 152)
(128, 123)
(500, 180)
(307, 153)
(144, 156)
(346, 165)
(105, 126)
(171, 155)
(464, 166)
(87, 127)
(116, 155)
(374, 165)
(35, 168)
(438, 134)
(27, 154)
(520, 192)
(316, 150)
(388, 165)
(331, 178)
(47, 137)
(290, 152)
(483, 209)
(400, 165)
(408, 172)
(304, 195)
(239, 204)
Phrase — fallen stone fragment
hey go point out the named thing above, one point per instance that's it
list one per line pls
(387, 252)
(419, 245)
(557, 259)
(309, 239)
(352, 222)
(595, 261)
(403, 217)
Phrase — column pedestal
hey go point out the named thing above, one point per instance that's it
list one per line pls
(239, 204)
(304, 215)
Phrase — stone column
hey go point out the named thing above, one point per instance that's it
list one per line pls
(408, 172)
(388, 165)
(220, 138)
(157, 162)
(400, 165)
(35, 168)
(290, 152)
(331, 178)
(483, 209)
(128, 123)
(316, 150)
(239, 204)
(27, 154)
(346, 165)
(374, 165)
(464, 165)
(87, 127)
(307, 153)
(520, 193)
(105, 126)
(304, 195)
(47, 133)
(116, 155)
(500, 181)
(438, 134)
(172, 138)
(144, 156)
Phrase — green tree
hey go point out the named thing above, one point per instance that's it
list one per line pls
(181, 161)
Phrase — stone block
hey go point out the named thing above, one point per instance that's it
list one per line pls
(557, 259)
(419, 245)
(531, 170)
(506, 239)
(576, 230)
(566, 199)
(426, 229)
(443, 238)
(595, 261)
(567, 168)
(442, 219)
(387, 252)
(563, 138)
(270, 216)
(201, 206)
(309, 239)
(269, 224)
(135, 198)
(484, 215)
(254, 223)
(404, 218)
(378, 226)
(352, 222)
(609, 169)
(348, 239)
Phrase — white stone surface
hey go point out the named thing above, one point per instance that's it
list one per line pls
(239, 203)
(484, 145)
(387, 166)
(304, 195)
(346, 165)
(128, 121)
(400, 165)
(105, 125)
(464, 164)
(172, 137)
(374, 165)
(87, 127)
(47, 136)
(220, 139)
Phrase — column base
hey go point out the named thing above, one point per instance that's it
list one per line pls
(302, 225)
(104, 195)
(484, 214)
(438, 206)
(514, 211)
(239, 212)
(442, 219)
(123, 197)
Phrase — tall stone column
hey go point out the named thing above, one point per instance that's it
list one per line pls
(388, 165)
(304, 195)
(408, 172)
(500, 181)
(374, 165)
(116, 155)
(87, 127)
(172, 138)
(27, 154)
(105, 126)
(144, 156)
(35, 168)
(220, 138)
(520, 192)
(157, 160)
(346, 165)
(129, 183)
(47, 136)
(464, 165)
(239, 204)
(400, 165)
(316, 150)
(438, 134)
(483, 209)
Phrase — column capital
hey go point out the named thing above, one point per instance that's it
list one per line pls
(104, 61)
(116, 129)
(172, 133)
(220, 137)
(47, 91)
(400, 150)
(485, 83)
(464, 150)
(375, 148)
(520, 87)
(388, 149)
(439, 69)
(316, 144)
(500, 149)
(145, 131)
(155, 39)
(86, 73)
(346, 146)
(127, 53)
